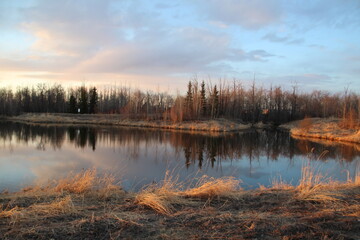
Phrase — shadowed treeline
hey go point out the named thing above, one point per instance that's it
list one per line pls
(198, 149)
(202, 100)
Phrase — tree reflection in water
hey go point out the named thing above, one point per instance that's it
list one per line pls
(198, 148)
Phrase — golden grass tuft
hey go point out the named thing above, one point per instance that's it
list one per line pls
(357, 176)
(79, 183)
(158, 203)
(212, 187)
(14, 214)
(161, 197)
(58, 206)
(10, 212)
(279, 183)
(309, 179)
(86, 182)
(315, 187)
(107, 188)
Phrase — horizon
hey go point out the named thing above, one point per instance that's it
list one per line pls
(161, 46)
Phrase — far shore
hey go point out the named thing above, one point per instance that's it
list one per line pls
(315, 128)
(211, 125)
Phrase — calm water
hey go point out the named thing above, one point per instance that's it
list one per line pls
(37, 154)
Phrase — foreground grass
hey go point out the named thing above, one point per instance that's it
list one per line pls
(84, 206)
(218, 125)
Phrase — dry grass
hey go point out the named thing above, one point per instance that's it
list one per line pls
(279, 183)
(163, 196)
(313, 186)
(350, 121)
(306, 123)
(356, 180)
(79, 183)
(212, 208)
(212, 187)
(357, 177)
(58, 206)
(310, 178)
(10, 212)
(158, 203)
(87, 181)
(329, 129)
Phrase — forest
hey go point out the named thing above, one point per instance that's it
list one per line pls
(229, 100)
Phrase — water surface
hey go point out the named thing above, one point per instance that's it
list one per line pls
(32, 154)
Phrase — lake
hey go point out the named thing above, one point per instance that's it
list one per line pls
(34, 154)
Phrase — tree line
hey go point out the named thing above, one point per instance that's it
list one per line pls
(230, 100)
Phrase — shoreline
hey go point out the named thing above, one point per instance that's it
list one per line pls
(86, 206)
(318, 128)
(212, 125)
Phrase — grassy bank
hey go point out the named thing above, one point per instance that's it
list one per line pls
(85, 206)
(331, 129)
(218, 125)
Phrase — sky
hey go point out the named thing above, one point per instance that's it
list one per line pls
(161, 45)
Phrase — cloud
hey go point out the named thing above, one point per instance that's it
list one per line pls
(181, 51)
(255, 55)
(335, 13)
(273, 37)
(70, 28)
(317, 46)
(296, 41)
(112, 39)
(252, 15)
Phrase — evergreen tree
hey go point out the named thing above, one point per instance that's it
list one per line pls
(93, 100)
(83, 102)
(214, 102)
(189, 101)
(72, 104)
(203, 100)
